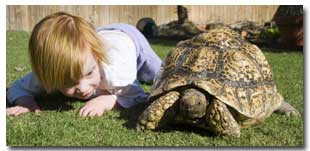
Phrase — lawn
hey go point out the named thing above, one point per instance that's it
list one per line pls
(59, 125)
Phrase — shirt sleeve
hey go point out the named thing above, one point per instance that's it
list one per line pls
(26, 86)
(121, 52)
(121, 73)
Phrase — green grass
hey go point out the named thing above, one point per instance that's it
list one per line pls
(59, 124)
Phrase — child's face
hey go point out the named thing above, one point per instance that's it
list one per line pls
(86, 86)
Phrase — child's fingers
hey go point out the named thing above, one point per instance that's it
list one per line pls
(81, 110)
(12, 110)
(84, 111)
(92, 113)
(9, 111)
(96, 113)
(22, 111)
(17, 110)
(99, 113)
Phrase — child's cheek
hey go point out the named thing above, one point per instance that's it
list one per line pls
(71, 92)
(68, 92)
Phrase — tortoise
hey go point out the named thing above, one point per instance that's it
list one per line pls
(216, 81)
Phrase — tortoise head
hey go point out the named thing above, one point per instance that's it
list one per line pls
(193, 104)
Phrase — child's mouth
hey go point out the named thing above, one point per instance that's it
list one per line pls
(88, 94)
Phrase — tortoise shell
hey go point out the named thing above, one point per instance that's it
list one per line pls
(225, 66)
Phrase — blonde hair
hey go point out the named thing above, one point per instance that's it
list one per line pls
(58, 46)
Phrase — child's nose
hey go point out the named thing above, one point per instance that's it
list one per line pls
(82, 88)
(80, 91)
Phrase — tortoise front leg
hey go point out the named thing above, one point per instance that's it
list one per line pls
(150, 118)
(220, 120)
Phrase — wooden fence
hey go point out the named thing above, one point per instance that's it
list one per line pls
(24, 17)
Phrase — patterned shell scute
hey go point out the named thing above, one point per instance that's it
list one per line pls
(227, 67)
(221, 38)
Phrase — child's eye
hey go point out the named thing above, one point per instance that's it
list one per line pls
(89, 73)
(70, 85)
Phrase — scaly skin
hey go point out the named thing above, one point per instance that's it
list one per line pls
(287, 109)
(150, 118)
(220, 120)
(193, 104)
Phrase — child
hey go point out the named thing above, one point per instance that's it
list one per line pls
(103, 66)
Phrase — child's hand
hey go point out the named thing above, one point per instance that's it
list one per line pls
(19, 110)
(98, 105)
(24, 105)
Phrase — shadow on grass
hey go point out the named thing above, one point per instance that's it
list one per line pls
(186, 129)
(54, 102)
(131, 116)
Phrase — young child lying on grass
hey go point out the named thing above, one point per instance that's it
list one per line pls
(103, 67)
